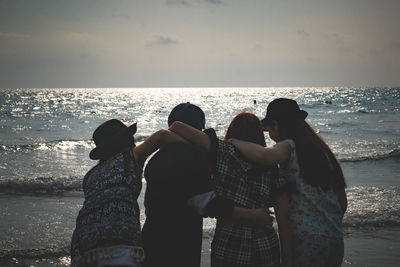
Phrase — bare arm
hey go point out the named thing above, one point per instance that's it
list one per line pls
(154, 142)
(219, 207)
(276, 154)
(191, 134)
(259, 216)
(342, 199)
(285, 235)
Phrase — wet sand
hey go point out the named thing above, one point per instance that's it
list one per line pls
(363, 247)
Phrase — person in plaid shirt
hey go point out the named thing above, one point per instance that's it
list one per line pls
(247, 185)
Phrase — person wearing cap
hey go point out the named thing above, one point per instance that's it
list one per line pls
(179, 193)
(314, 198)
(248, 185)
(107, 231)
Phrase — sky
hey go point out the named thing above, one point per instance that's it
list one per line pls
(199, 43)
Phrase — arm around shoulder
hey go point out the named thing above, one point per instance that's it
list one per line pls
(154, 142)
(191, 134)
(260, 216)
(276, 154)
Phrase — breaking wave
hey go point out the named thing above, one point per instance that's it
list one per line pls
(40, 185)
(392, 154)
(56, 145)
(35, 253)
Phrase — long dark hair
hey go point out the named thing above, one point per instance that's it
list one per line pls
(247, 127)
(318, 165)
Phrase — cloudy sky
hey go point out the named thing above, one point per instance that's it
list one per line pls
(199, 43)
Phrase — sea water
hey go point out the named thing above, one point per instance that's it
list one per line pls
(45, 139)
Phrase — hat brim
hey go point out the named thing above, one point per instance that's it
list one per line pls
(95, 154)
(268, 121)
(303, 114)
(133, 128)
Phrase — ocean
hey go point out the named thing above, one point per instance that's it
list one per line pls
(45, 139)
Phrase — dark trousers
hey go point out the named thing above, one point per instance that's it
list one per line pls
(173, 241)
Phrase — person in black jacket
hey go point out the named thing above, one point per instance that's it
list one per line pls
(172, 232)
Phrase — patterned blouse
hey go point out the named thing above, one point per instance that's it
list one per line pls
(110, 212)
(248, 186)
(315, 215)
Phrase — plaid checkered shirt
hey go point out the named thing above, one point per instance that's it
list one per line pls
(249, 186)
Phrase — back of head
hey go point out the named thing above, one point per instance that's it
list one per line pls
(189, 114)
(247, 127)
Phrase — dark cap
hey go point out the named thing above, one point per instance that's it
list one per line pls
(112, 137)
(283, 109)
(189, 114)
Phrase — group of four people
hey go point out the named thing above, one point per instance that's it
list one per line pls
(195, 174)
